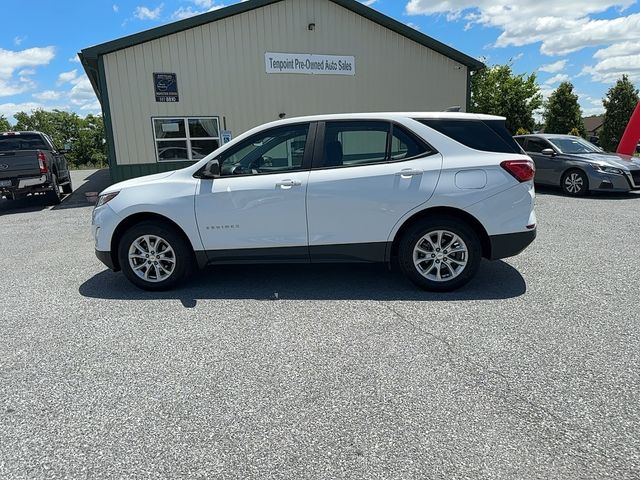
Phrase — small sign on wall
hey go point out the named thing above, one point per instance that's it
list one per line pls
(166, 87)
(310, 64)
(227, 136)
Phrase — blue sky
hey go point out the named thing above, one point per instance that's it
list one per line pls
(589, 42)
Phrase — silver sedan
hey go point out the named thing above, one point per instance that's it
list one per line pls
(578, 166)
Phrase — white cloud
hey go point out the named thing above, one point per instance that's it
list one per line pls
(561, 77)
(115, 8)
(66, 77)
(9, 109)
(18, 40)
(146, 13)
(368, 3)
(554, 67)
(74, 59)
(560, 27)
(204, 6)
(614, 61)
(10, 61)
(47, 95)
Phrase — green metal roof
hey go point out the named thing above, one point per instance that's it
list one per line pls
(89, 56)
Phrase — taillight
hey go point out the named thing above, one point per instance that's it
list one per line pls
(522, 170)
(42, 161)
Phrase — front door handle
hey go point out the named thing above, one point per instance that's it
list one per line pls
(289, 183)
(409, 173)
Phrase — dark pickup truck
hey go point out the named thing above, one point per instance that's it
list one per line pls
(30, 163)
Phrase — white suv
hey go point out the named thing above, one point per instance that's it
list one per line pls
(430, 192)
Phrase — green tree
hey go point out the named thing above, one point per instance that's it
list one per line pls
(498, 91)
(619, 104)
(5, 126)
(84, 136)
(562, 112)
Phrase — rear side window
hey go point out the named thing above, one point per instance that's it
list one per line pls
(29, 141)
(488, 136)
(404, 145)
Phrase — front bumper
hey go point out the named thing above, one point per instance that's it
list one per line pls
(105, 257)
(510, 244)
(607, 182)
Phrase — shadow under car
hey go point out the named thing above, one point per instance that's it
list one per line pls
(495, 280)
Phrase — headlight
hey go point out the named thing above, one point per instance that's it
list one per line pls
(106, 198)
(615, 171)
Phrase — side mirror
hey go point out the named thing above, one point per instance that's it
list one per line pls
(212, 169)
(550, 152)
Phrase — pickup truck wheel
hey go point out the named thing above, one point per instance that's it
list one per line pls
(54, 197)
(153, 256)
(67, 188)
(440, 253)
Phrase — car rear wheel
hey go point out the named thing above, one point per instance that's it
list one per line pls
(440, 254)
(67, 188)
(54, 196)
(154, 256)
(575, 183)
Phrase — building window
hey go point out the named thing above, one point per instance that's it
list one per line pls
(185, 139)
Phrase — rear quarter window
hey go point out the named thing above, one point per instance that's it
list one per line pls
(488, 136)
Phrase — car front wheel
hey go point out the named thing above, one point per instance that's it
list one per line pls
(154, 256)
(440, 254)
(575, 183)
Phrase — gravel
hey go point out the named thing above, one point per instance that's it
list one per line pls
(532, 371)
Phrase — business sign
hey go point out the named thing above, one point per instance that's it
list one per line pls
(166, 87)
(310, 64)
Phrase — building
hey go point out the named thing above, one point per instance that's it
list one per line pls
(172, 94)
(593, 125)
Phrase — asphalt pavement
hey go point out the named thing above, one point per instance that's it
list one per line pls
(323, 372)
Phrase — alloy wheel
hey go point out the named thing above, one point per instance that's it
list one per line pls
(152, 258)
(440, 256)
(574, 183)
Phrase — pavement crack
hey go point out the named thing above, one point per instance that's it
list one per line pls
(579, 442)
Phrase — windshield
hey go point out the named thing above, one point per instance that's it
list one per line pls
(574, 145)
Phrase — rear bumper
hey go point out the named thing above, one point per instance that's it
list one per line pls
(510, 244)
(105, 257)
(26, 184)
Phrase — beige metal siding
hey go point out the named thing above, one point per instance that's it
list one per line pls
(221, 72)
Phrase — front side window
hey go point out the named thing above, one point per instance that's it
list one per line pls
(190, 139)
(278, 150)
(537, 145)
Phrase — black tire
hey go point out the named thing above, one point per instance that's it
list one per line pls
(182, 255)
(460, 274)
(572, 179)
(54, 197)
(67, 188)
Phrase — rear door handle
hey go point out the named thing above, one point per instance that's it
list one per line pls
(289, 183)
(409, 173)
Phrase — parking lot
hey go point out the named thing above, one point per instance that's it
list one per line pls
(531, 371)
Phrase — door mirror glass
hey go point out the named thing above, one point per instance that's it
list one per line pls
(550, 152)
(212, 169)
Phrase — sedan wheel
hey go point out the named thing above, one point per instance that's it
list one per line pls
(575, 183)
